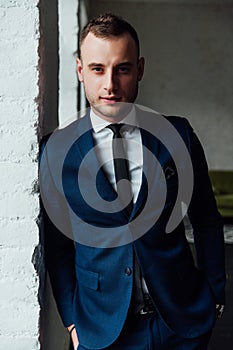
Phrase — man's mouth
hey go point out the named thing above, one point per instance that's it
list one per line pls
(110, 100)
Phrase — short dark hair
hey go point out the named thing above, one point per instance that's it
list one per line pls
(107, 25)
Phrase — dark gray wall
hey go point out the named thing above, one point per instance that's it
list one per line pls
(189, 54)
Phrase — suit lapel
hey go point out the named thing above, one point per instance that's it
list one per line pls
(84, 145)
(150, 152)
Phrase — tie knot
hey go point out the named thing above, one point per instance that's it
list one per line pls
(115, 129)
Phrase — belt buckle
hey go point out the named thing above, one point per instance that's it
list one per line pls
(142, 312)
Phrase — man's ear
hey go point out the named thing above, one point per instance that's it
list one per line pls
(141, 64)
(79, 69)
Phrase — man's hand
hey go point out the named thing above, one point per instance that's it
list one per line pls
(219, 310)
(73, 335)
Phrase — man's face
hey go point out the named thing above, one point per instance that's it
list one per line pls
(110, 70)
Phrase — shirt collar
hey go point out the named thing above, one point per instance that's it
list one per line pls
(99, 124)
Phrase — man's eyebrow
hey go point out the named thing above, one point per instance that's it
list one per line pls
(93, 64)
(127, 63)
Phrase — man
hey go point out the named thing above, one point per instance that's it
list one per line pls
(141, 288)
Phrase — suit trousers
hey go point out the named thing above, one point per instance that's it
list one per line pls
(149, 332)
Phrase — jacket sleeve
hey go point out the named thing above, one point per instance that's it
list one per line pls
(59, 249)
(206, 222)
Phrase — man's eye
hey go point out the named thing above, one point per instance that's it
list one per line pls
(123, 70)
(97, 69)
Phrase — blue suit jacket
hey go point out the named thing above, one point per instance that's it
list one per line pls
(89, 283)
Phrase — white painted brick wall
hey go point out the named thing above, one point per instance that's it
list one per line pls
(19, 207)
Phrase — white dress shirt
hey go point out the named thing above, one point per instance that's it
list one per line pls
(103, 140)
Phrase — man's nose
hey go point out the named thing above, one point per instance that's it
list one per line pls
(111, 82)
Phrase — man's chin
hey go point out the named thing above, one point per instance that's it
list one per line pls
(117, 110)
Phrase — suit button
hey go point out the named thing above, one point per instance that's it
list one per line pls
(128, 271)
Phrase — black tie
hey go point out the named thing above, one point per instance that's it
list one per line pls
(125, 192)
(121, 168)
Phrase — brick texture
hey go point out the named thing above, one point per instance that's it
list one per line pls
(19, 204)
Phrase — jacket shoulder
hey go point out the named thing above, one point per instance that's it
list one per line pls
(59, 136)
(179, 122)
(183, 127)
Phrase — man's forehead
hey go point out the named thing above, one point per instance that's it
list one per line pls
(96, 37)
(93, 42)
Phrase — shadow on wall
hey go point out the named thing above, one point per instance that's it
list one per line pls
(48, 67)
(53, 334)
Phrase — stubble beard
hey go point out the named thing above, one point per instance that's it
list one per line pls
(115, 111)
